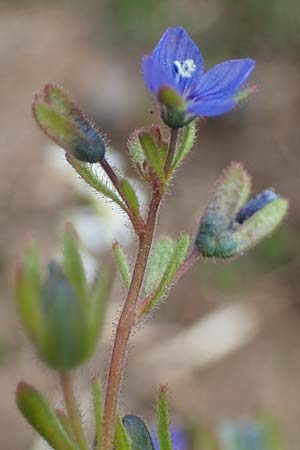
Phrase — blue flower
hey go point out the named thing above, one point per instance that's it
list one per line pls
(174, 73)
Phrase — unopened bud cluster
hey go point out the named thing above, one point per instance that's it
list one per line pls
(231, 225)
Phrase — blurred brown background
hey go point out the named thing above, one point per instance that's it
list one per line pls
(228, 342)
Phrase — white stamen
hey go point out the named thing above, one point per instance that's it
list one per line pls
(186, 68)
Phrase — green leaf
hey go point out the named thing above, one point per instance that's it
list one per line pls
(121, 440)
(99, 299)
(153, 154)
(229, 195)
(138, 433)
(56, 126)
(187, 142)
(135, 149)
(28, 290)
(56, 97)
(86, 172)
(260, 225)
(42, 417)
(175, 262)
(98, 411)
(163, 421)
(122, 264)
(130, 195)
(158, 262)
(73, 267)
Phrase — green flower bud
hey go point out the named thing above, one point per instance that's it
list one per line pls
(62, 316)
(66, 124)
(64, 337)
(229, 225)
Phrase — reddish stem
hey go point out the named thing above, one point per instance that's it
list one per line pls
(136, 220)
(125, 325)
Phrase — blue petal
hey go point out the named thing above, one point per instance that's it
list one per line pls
(224, 79)
(154, 75)
(211, 108)
(255, 204)
(176, 45)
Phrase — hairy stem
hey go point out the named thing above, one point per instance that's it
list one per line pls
(72, 409)
(127, 318)
(171, 152)
(137, 222)
(125, 325)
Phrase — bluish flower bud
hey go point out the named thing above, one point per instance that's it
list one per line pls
(229, 226)
(255, 204)
(66, 124)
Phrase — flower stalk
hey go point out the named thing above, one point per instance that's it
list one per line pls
(72, 409)
(137, 221)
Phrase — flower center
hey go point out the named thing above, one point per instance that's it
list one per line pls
(185, 68)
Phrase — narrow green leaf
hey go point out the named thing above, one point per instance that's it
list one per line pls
(138, 433)
(135, 148)
(154, 157)
(175, 262)
(56, 126)
(55, 96)
(231, 191)
(159, 259)
(122, 264)
(42, 418)
(260, 225)
(99, 298)
(28, 290)
(65, 422)
(121, 440)
(130, 195)
(86, 172)
(163, 421)
(73, 267)
(186, 144)
(98, 411)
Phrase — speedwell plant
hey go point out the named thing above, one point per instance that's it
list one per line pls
(62, 313)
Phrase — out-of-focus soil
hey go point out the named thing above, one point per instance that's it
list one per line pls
(54, 44)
